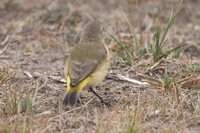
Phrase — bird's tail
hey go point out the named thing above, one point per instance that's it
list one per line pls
(70, 98)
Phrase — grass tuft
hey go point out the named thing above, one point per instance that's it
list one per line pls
(156, 49)
(133, 124)
(26, 105)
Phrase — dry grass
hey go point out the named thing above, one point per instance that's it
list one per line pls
(40, 34)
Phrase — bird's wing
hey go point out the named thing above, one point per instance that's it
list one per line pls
(79, 70)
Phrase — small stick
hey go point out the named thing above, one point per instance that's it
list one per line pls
(154, 65)
(38, 88)
(36, 75)
(134, 81)
(28, 74)
(59, 80)
(5, 42)
(43, 113)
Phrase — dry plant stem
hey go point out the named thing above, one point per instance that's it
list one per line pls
(134, 81)
(186, 79)
(83, 106)
(38, 88)
(58, 80)
(128, 22)
(5, 42)
(28, 74)
(155, 65)
(44, 130)
(48, 112)
(149, 78)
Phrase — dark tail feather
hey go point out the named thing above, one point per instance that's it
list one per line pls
(70, 99)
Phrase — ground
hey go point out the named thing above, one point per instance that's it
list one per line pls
(36, 36)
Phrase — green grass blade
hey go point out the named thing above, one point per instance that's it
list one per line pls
(169, 26)
(171, 50)
(128, 53)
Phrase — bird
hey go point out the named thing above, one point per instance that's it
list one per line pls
(87, 64)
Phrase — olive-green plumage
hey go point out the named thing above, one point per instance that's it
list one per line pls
(88, 63)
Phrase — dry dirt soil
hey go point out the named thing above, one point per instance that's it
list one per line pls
(36, 36)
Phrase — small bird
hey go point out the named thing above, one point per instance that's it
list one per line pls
(87, 65)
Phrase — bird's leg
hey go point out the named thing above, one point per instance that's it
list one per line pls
(100, 98)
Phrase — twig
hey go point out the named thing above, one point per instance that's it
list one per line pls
(4, 57)
(83, 106)
(43, 101)
(38, 88)
(28, 74)
(128, 22)
(154, 66)
(43, 113)
(5, 42)
(134, 81)
(59, 80)
(149, 78)
(43, 130)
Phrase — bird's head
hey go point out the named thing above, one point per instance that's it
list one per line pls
(93, 31)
